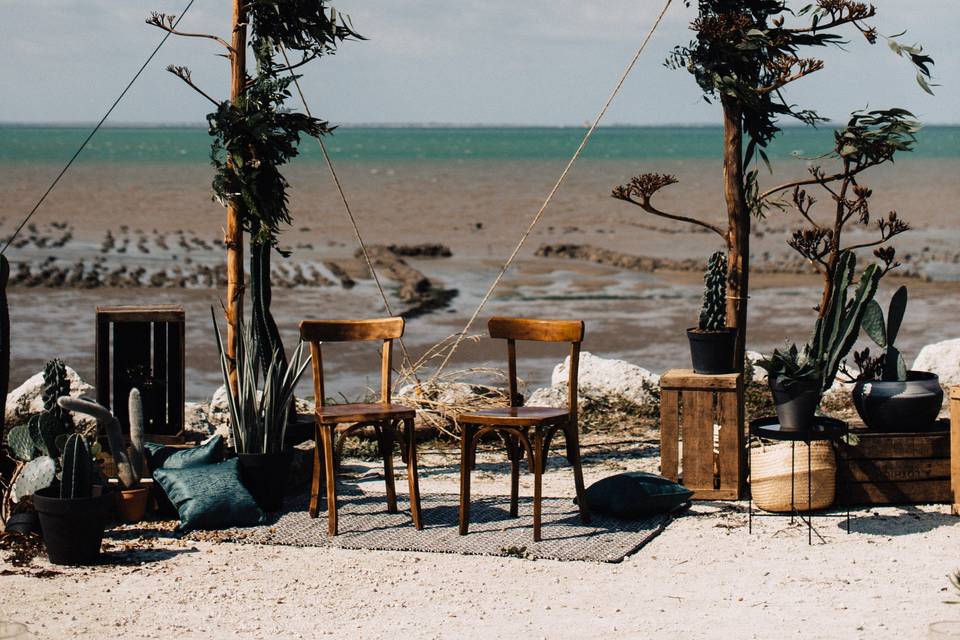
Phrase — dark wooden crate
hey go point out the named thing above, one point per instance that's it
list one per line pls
(132, 340)
(896, 468)
(690, 405)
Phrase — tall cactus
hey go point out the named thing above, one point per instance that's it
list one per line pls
(127, 472)
(77, 476)
(56, 384)
(138, 459)
(4, 340)
(836, 332)
(713, 314)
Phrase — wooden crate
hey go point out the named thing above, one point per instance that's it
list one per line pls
(955, 448)
(690, 406)
(137, 341)
(895, 468)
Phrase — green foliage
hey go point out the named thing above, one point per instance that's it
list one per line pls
(20, 443)
(260, 409)
(56, 384)
(873, 137)
(306, 26)
(77, 464)
(713, 313)
(889, 366)
(37, 474)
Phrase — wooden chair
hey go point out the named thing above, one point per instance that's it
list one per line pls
(389, 420)
(513, 423)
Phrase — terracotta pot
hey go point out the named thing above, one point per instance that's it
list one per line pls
(132, 504)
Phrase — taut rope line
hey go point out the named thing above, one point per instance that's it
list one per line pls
(553, 191)
(95, 129)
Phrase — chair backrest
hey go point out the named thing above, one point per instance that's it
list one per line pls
(513, 329)
(317, 332)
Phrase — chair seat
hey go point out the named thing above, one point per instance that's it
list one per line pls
(363, 412)
(516, 416)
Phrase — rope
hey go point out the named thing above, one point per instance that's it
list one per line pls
(95, 129)
(353, 221)
(553, 191)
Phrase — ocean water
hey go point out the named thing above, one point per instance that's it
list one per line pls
(178, 145)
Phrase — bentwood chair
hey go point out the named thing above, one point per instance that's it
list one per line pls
(515, 422)
(390, 421)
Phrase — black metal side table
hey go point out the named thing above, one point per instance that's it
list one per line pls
(823, 429)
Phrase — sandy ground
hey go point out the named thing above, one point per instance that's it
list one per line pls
(705, 576)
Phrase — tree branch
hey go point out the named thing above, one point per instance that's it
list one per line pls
(184, 74)
(649, 208)
(165, 22)
(821, 180)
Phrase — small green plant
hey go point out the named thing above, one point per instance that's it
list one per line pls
(713, 313)
(888, 366)
(45, 433)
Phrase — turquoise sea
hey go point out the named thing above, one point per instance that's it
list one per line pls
(27, 144)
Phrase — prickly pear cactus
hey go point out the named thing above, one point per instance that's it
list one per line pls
(45, 429)
(713, 315)
(55, 385)
(37, 474)
(21, 443)
(77, 477)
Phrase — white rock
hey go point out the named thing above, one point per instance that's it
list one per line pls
(548, 397)
(27, 398)
(941, 358)
(608, 377)
(759, 375)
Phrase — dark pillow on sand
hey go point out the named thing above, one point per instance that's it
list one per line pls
(163, 457)
(635, 495)
(210, 496)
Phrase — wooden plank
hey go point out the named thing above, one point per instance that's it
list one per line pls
(904, 469)
(176, 380)
(686, 379)
(131, 354)
(669, 434)
(697, 417)
(162, 407)
(955, 448)
(142, 313)
(715, 494)
(877, 493)
(102, 363)
(877, 445)
(732, 450)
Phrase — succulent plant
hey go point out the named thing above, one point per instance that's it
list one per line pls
(130, 462)
(889, 366)
(56, 384)
(47, 431)
(37, 474)
(20, 443)
(713, 314)
(76, 479)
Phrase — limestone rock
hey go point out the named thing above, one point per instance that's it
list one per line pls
(610, 378)
(941, 358)
(26, 399)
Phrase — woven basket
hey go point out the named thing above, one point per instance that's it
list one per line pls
(770, 476)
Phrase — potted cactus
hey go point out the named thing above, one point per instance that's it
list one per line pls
(130, 461)
(74, 514)
(798, 377)
(887, 395)
(711, 341)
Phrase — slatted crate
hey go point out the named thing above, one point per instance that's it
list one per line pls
(691, 405)
(895, 468)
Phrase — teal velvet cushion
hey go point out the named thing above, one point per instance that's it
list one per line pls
(635, 495)
(210, 496)
(163, 457)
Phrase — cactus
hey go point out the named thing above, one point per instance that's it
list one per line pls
(55, 385)
(127, 472)
(4, 337)
(76, 480)
(37, 474)
(138, 459)
(21, 443)
(884, 334)
(45, 429)
(713, 314)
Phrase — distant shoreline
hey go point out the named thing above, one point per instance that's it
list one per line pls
(426, 125)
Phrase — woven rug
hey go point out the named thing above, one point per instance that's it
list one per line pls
(365, 524)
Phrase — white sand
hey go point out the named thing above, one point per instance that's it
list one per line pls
(703, 577)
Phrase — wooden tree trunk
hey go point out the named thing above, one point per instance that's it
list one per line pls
(738, 227)
(5, 469)
(233, 237)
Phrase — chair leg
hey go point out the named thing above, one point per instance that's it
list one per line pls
(317, 480)
(513, 451)
(412, 474)
(466, 436)
(385, 440)
(572, 436)
(537, 481)
(327, 436)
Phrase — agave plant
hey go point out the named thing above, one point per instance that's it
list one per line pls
(260, 406)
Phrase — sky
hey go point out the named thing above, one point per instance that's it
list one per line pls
(490, 62)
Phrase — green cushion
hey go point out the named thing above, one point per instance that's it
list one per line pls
(210, 496)
(635, 495)
(163, 457)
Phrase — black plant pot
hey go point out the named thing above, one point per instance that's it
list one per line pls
(712, 351)
(912, 405)
(796, 403)
(72, 527)
(25, 522)
(265, 477)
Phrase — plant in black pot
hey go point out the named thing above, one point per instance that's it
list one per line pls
(798, 377)
(260, 407)
(74, 514)
(711, 341)
(887, 395)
